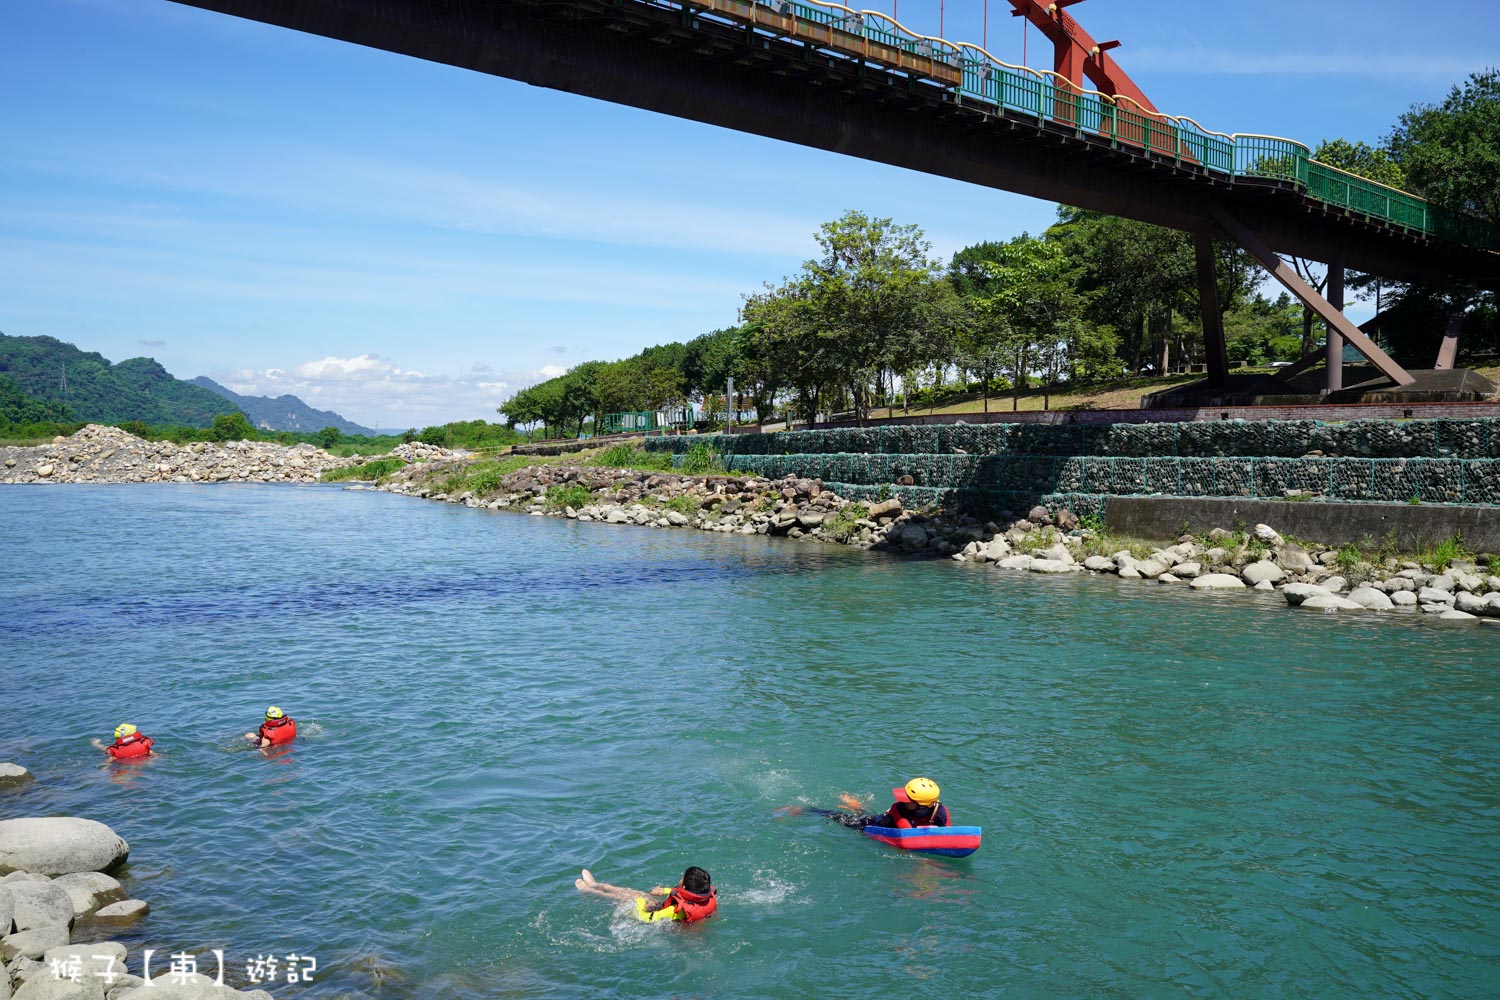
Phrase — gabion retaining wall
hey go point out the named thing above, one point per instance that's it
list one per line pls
(1446, 438)
(1015, 466)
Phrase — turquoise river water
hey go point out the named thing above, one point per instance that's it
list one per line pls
(1182, 795)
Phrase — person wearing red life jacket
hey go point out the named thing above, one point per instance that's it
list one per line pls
(690, 900)
(277, 729)
(130, 744)
(916, 805)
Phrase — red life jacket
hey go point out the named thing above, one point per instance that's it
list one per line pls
(282, 730)
(939, 817)
(693, 905)
(134, 745)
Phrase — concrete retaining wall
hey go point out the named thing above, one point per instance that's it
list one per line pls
(1414, 526)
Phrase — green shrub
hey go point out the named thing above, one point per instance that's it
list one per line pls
(845, 524)
(573, 495)
(370, 471)
(700, 461)
(686, 504)
(1444, 554)
(618, 456)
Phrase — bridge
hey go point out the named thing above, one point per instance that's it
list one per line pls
(861, 84)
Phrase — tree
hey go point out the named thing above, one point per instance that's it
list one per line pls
(232, 427)
(877, 300)
(328, 437)
(1035, 290)
(1451, 152)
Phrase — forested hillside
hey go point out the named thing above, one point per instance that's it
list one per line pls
(50, 371)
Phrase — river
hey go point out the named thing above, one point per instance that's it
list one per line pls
(1182, 793)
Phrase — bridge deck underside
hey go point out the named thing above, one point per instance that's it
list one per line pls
(691, 64)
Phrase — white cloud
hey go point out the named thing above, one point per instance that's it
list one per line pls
(375, 391)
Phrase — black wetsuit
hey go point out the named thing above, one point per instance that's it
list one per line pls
(913, 814)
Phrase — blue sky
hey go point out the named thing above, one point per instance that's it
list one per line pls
(408, 243)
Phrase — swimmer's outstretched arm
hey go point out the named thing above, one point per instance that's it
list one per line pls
(98, 745)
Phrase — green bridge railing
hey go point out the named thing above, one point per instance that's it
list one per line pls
(969, 71)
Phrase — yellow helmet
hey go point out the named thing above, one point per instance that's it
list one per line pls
(123, 730)
(922, 791)
(274, 713)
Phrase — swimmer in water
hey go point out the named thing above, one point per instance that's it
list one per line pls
(693, 898)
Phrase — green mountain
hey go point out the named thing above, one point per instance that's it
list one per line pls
(18, 408)
(283, 413)
(86, 384)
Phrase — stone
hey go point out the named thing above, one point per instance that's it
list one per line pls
(616, 516)
(676, 519)
(13, 777)
(57, 845)
(912, 537)
(1015, 562)
(44, 471)
(1263, 570)
(121, 914)
(1330, 602)
(1404, 599)
(1187, 570)
(196, 986)
(1217, 581)
(1443, 582)
(1267, 534)
(1434, 595)
(1150, 568)
(1469, 582)
(98, 967)
(1335, 585)
(1264, 585)
(1057, 553)
(48, 987)
(1099, 564)
(89, 890)
(1296, 593)
(1169, 578)
(1369, 597)
(885, 508)
(39, 904)
(1294, 559)
(1456, 616)
(1050, 566)
(810, 519)
(994, 550)
(1129, 572)
(33, 943)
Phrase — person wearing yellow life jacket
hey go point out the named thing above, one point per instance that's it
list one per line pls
(690, 900)
(278, 728)
(130, 744)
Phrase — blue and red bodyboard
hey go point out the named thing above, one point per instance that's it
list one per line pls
(949, 841)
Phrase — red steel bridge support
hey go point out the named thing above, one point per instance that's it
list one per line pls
(1077, 55)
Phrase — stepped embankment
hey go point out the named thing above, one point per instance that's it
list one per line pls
(1454, 587)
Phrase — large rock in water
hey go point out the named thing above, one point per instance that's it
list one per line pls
(193, 987)
(38, 904)
(59, 845)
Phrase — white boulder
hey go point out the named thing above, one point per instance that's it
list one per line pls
(1369, 597)
(1263, 570)
(57, 845)
(1217, 581)
(1331, 602)
(1296, 593)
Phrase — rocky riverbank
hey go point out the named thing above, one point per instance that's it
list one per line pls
(1309, 576)
(99, 454)
(58, 908)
